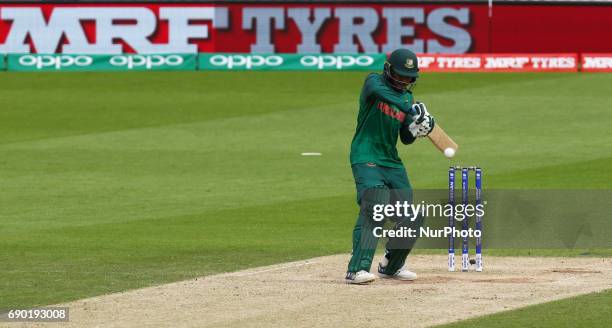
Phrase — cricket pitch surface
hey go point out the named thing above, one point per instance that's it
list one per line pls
(313, 293)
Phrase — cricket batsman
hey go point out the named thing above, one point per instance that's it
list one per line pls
(387, 110)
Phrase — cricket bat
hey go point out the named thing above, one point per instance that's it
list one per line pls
(442, 141)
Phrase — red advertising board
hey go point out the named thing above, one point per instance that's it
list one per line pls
(596, 62)
(499, 63)
(304, 28)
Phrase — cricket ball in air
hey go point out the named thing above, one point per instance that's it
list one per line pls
(449, 152)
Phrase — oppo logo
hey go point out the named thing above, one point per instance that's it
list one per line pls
(57, 62)
(246, 61)
(146, 61)
(336, 61)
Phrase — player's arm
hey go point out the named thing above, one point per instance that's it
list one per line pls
(406, 135)
(376, 88)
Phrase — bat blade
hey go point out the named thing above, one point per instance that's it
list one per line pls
(441, 140)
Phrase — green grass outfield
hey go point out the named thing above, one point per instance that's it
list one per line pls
(113, 181)
(593, 310)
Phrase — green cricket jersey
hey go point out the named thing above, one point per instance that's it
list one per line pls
(382, 112)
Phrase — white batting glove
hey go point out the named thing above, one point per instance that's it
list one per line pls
(414, 129)
(426, 126)
(419, 111)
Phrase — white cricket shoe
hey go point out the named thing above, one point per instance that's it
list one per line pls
(360, 278)
(401, 274)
